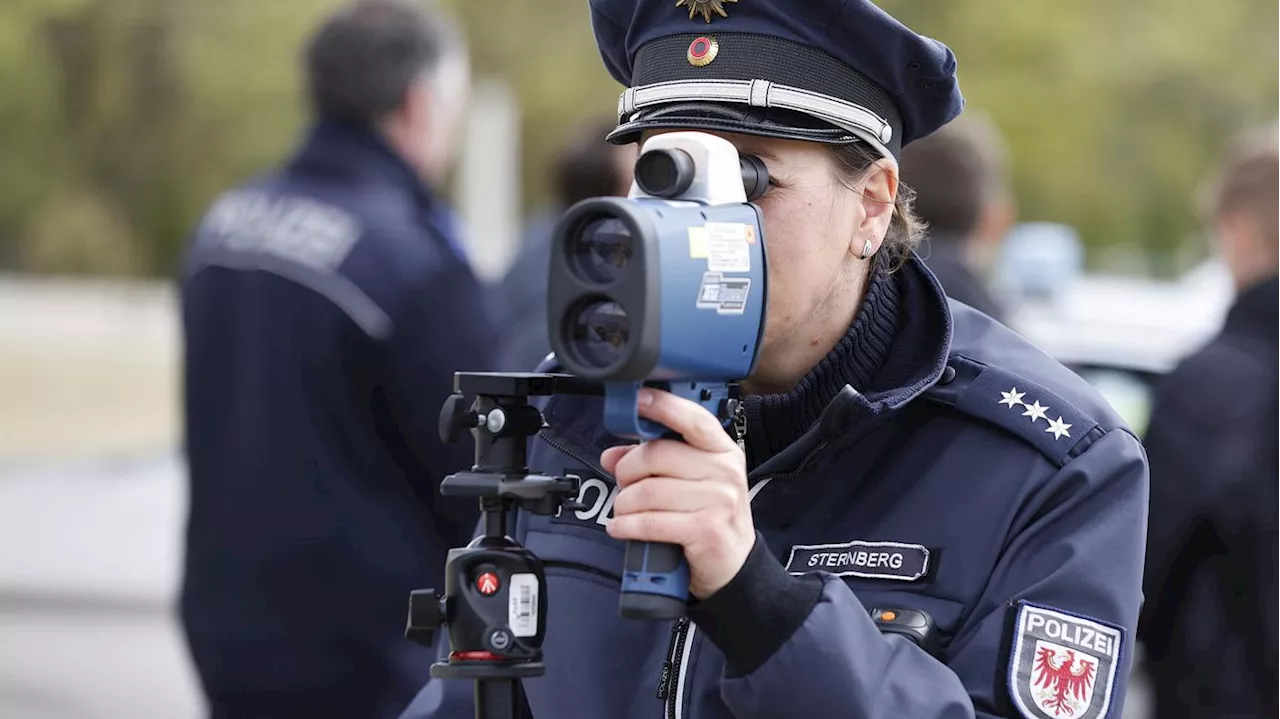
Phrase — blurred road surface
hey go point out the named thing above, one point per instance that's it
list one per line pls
(89, 563)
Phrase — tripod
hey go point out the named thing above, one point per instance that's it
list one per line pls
(494, 602)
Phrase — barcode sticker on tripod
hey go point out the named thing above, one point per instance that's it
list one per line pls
(522, 611)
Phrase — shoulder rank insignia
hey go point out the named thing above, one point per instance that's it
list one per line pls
(705, 7)
(1057, 428)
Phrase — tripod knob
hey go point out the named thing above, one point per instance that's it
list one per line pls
(426, 615)
(455, 417)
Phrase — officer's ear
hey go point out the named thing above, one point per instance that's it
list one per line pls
(415, 107)
(879, 190)
(437, 106)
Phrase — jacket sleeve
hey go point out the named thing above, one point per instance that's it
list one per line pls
(806, 646)
(441, 326)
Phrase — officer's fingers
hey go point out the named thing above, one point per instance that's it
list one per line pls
(640, 462)
(693, 422)
(669, 494)
(669, 458)
(672, 527)
(610, 457)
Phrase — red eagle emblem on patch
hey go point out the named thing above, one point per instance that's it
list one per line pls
(1065, 682)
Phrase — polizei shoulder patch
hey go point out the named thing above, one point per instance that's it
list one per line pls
(1063, 665)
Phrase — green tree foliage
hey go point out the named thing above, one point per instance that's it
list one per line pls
(121, 119)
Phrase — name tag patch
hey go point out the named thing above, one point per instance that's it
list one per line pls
(869, 560)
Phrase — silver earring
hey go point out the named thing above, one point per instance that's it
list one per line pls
(866, 250)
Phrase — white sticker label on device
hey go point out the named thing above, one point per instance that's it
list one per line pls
(727, 247)
(522, 612)
(725, 295)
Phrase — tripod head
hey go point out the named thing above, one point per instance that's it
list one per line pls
(502, 421)
(494, 601)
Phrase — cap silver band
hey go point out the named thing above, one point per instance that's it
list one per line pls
(762, 93)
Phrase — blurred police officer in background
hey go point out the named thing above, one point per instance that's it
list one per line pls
(960, 177)
(326, 306)
(587, 166)
(899, 452)
(1209, 623)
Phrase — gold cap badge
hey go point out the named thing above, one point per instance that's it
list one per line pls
(702, 51)
(706, 7)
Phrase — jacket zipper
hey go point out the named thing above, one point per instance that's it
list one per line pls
(558, 445)
(671, 687)
(671, 667)
(739, 418)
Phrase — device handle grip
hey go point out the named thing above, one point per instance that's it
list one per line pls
(621, 406)
(655, 581)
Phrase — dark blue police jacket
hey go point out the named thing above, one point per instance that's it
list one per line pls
(970, 477)
(325, 311)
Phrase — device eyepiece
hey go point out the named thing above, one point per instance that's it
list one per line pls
(755, 176)
(665, 172)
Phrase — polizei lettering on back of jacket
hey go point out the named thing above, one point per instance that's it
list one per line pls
(869, 560)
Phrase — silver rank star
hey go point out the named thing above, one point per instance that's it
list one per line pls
(1058, 428)
(1035, 411)
(1012, 397)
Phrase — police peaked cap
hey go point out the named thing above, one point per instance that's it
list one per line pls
(832, 71)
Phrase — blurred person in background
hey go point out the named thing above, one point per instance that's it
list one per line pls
(326, 306)
(960, 178)
(587, 166)
(1209, 624)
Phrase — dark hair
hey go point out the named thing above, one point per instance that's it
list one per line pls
(587, 166)
(956, 172)
(851, 163)
(1246, 183)
(364, 58)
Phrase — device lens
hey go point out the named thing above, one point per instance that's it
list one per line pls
(601, 251)
(598, 332)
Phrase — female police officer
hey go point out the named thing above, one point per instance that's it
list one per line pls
(907, 461)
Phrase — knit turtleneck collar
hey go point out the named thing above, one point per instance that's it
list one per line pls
(774, 421)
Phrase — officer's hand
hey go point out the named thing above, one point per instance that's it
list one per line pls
(691, 493)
